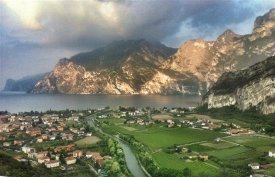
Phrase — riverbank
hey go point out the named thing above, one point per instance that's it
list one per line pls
(133, 164)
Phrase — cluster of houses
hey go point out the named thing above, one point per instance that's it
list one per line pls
(45, 128)
(18, 133)
(257, 166)
(204, 124)
(53, 159)
(135, 113)
(139, 121)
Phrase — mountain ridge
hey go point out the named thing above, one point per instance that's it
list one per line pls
(24, 84)
(143, 67)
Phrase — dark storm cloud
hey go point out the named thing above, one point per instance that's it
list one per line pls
(89, 24)
(44, 31)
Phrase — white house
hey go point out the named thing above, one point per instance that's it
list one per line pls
(271, 153)
(43, 160)
(26, 149)
(254, 166)
(70, 160)
(52, 164)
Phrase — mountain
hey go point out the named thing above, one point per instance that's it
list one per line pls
(251, 87)
(122, 67)
(143, 67)
(25, 84)
(208, 60)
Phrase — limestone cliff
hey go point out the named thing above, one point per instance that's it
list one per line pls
(251, 87)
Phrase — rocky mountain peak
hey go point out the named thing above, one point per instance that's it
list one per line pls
(269, 17)
(63, 61)
(264, 26)
(117, 52)
(227, 36)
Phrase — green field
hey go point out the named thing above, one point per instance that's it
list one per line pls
(219, 145)
(171, 161)
(156, 137)
(88, 141)
(241, 149)
(228, 153)
(252, 141)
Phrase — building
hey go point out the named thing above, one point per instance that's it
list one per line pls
(39, 140)
(67, 137)
(33, 131)
(238, 131)
(60, 128)
(18, 157)
(69, 147)
(2, 138)
(44, 137)
(53, 137)
(17, 142)
(52, 164)
(5, 128)
(70, 160)
(254, 166)
(77, 153)
(74, 130)
(6, 144)
(89, 154)
(203, 157)
(41, 154)
(97, 158)
(26, 149)
(42, 160)
(271, 153)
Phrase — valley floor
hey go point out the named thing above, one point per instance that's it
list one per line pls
(207, 152)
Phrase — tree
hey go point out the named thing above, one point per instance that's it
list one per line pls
(187, 172)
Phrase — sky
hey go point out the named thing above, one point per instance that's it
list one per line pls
(35, 34)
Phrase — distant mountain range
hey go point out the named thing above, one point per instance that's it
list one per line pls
(25, 84)
(252, 87)
(145, 67)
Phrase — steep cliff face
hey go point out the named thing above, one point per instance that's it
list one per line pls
(124, 67)
(208, 60)
(142, 67)
(252, 87)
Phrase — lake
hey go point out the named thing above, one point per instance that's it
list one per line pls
(19, 102)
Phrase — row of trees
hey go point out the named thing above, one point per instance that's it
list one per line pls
(117, 166)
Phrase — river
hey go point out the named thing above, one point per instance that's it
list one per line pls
(130, 158)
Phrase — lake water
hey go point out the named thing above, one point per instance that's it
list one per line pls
(19, 102)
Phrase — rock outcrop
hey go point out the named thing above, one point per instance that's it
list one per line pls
(251, 87)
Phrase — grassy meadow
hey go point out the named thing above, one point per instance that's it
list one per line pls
(242, 149)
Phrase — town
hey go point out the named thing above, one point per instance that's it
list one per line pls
(65, 141)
